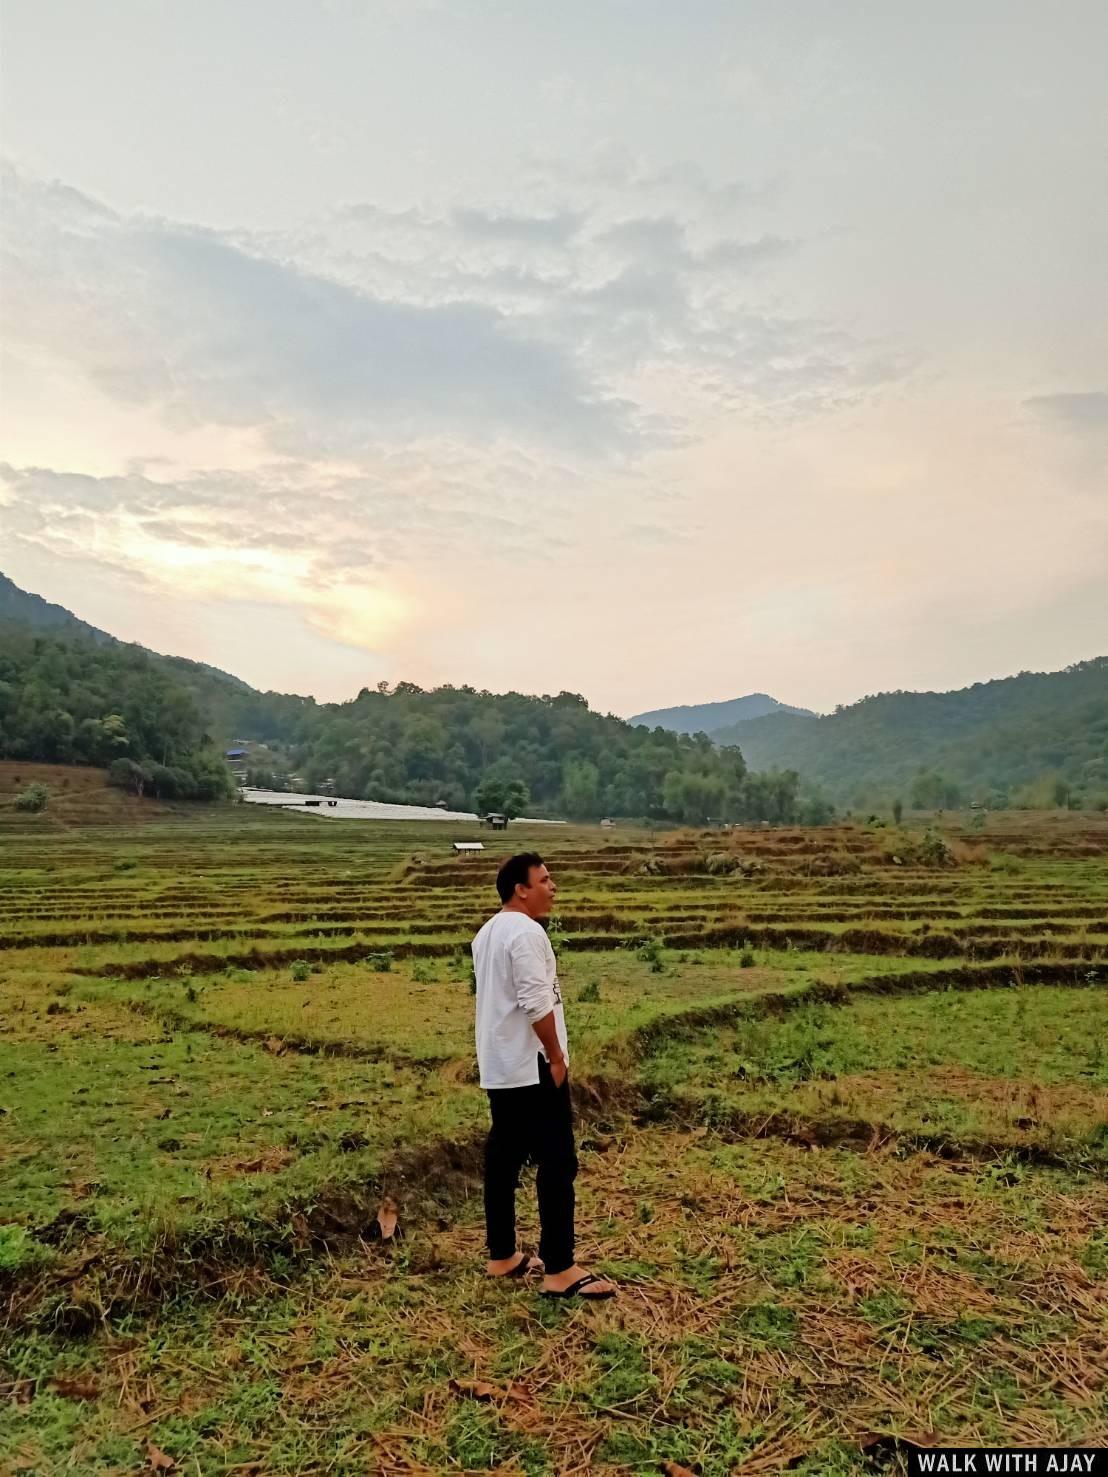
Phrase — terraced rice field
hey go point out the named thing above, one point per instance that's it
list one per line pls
(843, 1102)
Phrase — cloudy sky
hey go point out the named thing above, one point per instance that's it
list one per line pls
(658, 351)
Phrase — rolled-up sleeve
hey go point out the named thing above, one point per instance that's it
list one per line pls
(531, 977)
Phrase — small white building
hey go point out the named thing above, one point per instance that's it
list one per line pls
(465, 848)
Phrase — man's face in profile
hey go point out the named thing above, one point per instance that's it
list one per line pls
(538, 896)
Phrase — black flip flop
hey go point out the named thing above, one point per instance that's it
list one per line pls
(574, 1290)
(522, 1267)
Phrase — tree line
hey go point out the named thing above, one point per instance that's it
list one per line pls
(149, 721)
(466, 749)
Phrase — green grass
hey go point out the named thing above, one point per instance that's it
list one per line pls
(422, 1011)
(831, 1213)
(156, 1109)
(1019, 1071)
(1034, 1033)
(150, 1137)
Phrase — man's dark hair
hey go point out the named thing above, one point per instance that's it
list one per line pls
(516, 870)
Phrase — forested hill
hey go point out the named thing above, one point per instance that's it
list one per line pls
(26, 609)
(71, 693)
(1038, 739)
(70, 696)
(74, 699)
(32, 610)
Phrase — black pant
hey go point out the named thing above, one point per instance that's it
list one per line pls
(536, 1124)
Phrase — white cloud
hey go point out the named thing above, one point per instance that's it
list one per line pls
(157, 312)
(556, 229)
(583, 332)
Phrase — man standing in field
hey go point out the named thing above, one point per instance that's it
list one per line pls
(523, 1057)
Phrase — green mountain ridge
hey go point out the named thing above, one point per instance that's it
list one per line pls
(1038, 737)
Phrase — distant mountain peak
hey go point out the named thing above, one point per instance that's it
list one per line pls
(708, 717)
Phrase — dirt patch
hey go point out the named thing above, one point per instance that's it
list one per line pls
(269, 1161)
(254, 959)
(37, 1016)
(1037, 1102)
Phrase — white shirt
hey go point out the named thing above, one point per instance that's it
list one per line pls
(517, 983)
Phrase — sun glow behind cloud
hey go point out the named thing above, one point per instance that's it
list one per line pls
(356, 613)
(208, 568)
(359, 615)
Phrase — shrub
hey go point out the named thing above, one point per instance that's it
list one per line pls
(650, 953)
(589, 994)
(747, 959)
(380, 961)
(933, 851)
(300, 970)
(125, 774)
(34, 798)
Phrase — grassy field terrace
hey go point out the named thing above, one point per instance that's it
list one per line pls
(843, 1112)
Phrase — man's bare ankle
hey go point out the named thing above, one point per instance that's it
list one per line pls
(502, 1264)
